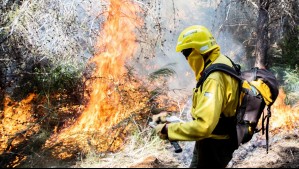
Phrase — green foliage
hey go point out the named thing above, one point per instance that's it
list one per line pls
(289, 80)
(292, 77)
(62, 78)
(160, 77)
(290, 48)
(49, 80)
(292, 85)
(286, 66)
(162, 72)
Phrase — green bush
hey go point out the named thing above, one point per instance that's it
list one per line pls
(48, 80)
(290, 48)
(291, 85)
(289, 80)
(62, 78)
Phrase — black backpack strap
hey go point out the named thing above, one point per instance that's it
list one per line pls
(237, 67)
(218, 67)
(267, 126)
(226, 125)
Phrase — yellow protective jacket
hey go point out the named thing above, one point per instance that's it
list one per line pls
(219, 94)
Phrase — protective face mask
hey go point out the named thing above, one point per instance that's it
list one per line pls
(196, 62)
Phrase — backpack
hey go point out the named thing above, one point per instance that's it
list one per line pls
(258, 91)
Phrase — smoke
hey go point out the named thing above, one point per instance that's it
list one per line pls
(163, 22)
(172, 17)
(72, 28)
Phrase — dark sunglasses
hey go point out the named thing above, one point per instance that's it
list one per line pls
(187, 52)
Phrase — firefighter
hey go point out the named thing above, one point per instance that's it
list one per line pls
(213, 104)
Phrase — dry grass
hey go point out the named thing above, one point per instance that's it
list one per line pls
(141, 147)
(60, 31)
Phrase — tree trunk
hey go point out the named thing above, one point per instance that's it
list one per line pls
(262, 45)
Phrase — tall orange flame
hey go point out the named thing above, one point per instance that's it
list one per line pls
(116, 45)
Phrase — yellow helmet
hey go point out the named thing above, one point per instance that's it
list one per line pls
(197, 37)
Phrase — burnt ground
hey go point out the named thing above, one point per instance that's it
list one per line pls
(283, 152)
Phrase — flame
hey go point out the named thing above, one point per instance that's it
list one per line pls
(16, 125)
(107, 107)
(16, 118)
(284, 117)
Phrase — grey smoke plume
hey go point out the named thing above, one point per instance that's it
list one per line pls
(175, 15)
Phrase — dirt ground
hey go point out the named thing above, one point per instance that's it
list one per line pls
(283, 152)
